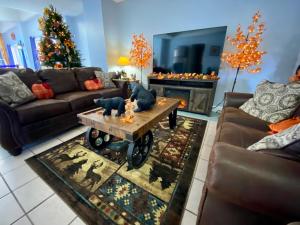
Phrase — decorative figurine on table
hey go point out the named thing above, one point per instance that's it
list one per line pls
(145, 99)
(129, 113)
(111, 103)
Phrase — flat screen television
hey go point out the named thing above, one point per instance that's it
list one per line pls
(195, 51)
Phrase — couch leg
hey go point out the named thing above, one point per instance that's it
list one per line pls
(15, 152)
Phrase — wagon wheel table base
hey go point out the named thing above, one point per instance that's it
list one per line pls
(136, 138)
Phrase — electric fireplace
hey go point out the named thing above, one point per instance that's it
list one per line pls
(182, 94)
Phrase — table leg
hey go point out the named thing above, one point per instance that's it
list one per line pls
(172, 119)
(139, 151)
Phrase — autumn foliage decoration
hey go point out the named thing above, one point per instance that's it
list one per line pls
(56, 48)
(246, 55)
(141, 52)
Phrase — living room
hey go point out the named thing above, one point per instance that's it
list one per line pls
(149, 112)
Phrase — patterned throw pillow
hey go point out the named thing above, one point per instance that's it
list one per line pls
(279, 140)
(106, 78)
(13, 91)
(42, 91)
(93, 85)
(273, 102)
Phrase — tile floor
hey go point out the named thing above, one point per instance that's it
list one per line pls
(26, 199)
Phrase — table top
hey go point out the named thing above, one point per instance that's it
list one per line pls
(142, 121)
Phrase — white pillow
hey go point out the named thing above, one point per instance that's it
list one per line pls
(278, 140)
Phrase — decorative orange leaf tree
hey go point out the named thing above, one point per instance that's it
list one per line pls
(247, 55)
(141, 52)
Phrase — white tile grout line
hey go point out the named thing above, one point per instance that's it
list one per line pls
(13, 194)
(191, 212)
(73, 219)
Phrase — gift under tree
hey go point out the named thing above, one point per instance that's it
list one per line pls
(57, 49)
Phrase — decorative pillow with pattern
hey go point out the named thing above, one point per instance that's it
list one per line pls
(106, 78)
(273, 102)
(279, 140)
(13, 91)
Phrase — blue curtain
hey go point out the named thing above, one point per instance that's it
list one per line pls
(35, 56)
(10, 56)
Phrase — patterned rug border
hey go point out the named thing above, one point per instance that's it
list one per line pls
(176, 206)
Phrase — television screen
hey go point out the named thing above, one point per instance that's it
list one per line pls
(195, 51)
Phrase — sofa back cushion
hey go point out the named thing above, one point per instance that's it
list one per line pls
(85, 73)
(27, 76)
(61, 81)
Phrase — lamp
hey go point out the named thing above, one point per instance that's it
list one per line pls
(123, 61)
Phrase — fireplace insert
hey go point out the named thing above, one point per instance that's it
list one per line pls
(182, 94)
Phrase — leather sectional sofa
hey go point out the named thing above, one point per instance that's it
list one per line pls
(38, 119)
(244, 187)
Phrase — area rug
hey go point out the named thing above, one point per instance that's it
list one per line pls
(100, 189)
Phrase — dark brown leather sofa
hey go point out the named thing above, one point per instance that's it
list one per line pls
(43, 118)
(244, 187)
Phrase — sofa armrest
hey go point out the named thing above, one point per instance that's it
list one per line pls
(10, 130)
(254, 180)
(235, 99)
(122, 84)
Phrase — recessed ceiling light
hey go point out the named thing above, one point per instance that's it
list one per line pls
(118, 1)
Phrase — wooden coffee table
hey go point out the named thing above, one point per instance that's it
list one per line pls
(136, 137)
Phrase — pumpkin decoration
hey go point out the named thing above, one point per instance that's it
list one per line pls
(93, 84)
(42, 90)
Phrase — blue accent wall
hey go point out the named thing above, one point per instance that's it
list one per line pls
(281, 38)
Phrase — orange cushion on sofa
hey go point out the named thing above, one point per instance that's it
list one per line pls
(285, 124)
(94, 84)
(42, 91)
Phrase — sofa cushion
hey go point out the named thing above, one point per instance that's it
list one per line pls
(238, 135)
(28, 76)
(85, 73)
(13, 91)
(237, 116)
(110, 92)
(107, 78)
(41, 109)
(273, 102)
(61, 81)
(79, 100)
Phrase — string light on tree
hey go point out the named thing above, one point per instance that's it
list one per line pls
(57, 49)
(247, 55)
(141, 52)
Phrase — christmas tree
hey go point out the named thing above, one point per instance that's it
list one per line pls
(57, 48)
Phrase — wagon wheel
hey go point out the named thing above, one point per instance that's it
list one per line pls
(139, 151)
(97, 139)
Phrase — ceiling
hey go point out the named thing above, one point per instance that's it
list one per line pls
(118, 1)
(15, 11)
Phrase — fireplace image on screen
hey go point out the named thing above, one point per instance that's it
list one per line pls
(181, 94)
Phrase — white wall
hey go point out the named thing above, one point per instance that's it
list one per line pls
(281, 38)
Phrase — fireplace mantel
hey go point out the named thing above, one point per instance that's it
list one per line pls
(201, 92)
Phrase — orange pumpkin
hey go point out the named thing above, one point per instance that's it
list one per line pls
(94, 84)
(42, 91)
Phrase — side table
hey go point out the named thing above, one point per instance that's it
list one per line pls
(120, 83)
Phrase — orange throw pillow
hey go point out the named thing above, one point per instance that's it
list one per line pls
(280, 126)
(42, 91)
(94, 84)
